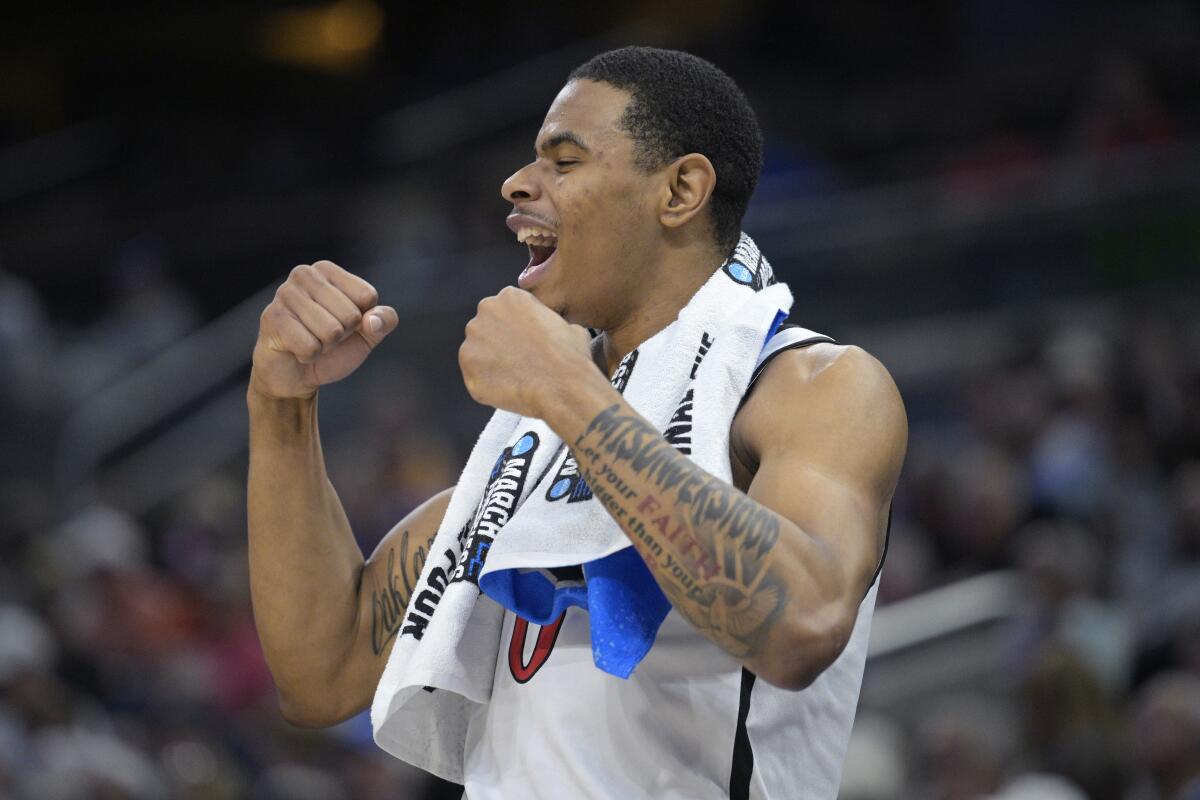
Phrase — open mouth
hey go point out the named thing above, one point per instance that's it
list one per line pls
(542, 244)
(540, 254)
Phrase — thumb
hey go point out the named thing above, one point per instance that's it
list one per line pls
(583, 334)
(378, 323)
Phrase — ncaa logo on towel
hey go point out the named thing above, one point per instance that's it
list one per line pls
(498, 504)
(740, 273)
(754, 278)
(568, 483)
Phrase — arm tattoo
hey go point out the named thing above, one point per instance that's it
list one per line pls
(706, 542)
(389, 603)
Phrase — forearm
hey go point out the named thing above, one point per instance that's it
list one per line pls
(717, 553)
(305, 566)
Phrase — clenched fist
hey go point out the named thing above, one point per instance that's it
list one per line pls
(517, 354)
(322, 324)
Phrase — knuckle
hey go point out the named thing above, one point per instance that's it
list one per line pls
(299, 272)
(287, 292)
(308, 277)
(330, 334)
(369, 296)
(271, 316)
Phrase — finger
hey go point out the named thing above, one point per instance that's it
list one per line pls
(288, 335)
(312, 315)
(335, 301)
(378, 323)
(312, 281)
(361, 293)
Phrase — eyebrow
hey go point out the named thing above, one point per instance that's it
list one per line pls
(564, 137)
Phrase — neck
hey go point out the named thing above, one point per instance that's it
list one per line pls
(677, 276)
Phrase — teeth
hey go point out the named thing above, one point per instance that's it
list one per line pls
(537, 237)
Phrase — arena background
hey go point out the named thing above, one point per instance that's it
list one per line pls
(999, 198)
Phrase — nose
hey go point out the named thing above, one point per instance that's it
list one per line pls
(521, 185)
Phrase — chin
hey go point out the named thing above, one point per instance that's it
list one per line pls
(549, 299)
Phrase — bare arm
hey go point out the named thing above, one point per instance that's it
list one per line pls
(774, 575)
(326, 618)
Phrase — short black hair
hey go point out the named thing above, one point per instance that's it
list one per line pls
(682, 104)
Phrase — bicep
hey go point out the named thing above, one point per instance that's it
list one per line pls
(391, 573)
(830, 432)
(385, 586)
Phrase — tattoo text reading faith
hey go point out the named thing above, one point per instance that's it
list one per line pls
(388, 604)
(708, 543)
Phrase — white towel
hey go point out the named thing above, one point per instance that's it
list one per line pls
(520, 505)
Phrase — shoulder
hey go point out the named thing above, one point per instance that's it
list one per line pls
(825, 388)
(823, 367)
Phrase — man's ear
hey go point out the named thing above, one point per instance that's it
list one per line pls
(690, 181)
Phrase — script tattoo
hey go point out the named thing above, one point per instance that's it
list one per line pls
(706, 542)
(389, 602)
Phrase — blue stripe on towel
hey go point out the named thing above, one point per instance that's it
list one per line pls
(624, 604)
(780, 316)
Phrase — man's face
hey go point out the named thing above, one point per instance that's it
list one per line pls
(586, 212)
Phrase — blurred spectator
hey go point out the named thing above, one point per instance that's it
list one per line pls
(876, 762)
(1164, 736)
(1064, 563)
(1120, 108)
(1039, 787)
(26, 342)
(966, 744)
(148, 312)
(1071, 724)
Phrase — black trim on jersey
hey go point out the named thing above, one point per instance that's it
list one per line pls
(742, 767)
(758, 370)
(743, 754)
(887, 539)
(802, 343)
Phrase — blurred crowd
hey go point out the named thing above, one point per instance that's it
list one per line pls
(1076, 464)
(129, 662)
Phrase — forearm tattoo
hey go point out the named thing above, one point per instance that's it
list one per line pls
(388, 603)
(706, 542)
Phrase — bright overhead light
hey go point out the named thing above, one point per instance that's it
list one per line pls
(338, 37)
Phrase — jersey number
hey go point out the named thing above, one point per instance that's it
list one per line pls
(546, 638)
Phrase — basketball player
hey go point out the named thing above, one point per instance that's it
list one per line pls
(642, 171)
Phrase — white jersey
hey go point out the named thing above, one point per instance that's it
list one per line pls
(689, 724)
